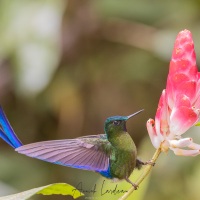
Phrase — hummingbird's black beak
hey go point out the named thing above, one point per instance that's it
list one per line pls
(128, 117)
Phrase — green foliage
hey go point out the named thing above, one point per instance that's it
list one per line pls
(197, 124)
(56, 188)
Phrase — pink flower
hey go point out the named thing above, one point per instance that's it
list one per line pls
(179, 105)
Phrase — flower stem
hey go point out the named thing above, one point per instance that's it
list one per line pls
(145, 173)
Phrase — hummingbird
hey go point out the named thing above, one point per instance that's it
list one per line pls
(112, 154)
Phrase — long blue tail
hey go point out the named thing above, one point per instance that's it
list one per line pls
(6, 131)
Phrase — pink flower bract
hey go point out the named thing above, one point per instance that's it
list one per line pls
(179, 104)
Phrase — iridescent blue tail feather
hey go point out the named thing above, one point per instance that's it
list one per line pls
(6, 131)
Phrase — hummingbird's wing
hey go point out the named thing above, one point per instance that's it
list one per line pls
(88, 152)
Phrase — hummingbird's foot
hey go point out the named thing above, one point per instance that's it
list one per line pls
(150, 162)
(139, 163)
(133, 184)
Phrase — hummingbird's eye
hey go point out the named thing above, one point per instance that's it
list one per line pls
(116, 123)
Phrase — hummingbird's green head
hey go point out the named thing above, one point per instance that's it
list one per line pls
(117, 124)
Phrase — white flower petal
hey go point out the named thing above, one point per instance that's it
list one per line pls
(183, 142)
(183, 152)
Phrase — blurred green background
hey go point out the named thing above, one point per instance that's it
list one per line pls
(67, 65)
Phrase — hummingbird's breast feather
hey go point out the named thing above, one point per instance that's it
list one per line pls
(123, 157)
(122, 163)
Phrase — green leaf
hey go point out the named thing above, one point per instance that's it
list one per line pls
(197, 124)
(56, 188)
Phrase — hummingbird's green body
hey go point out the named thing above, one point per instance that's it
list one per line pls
(120, 148)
